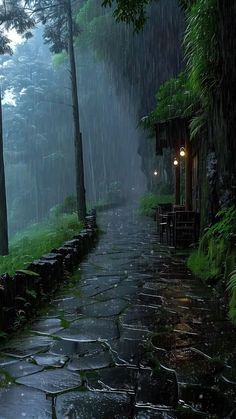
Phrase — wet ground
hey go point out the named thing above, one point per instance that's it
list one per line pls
(132, 335)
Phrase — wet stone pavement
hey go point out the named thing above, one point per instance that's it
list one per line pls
(132, 335)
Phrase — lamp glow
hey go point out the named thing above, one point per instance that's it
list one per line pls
(155, 173)
(182, 152)
(175, 162)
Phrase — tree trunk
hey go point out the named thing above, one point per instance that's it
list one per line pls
(79, 164)
(3, 204)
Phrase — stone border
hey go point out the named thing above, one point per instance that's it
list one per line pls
(23, 293)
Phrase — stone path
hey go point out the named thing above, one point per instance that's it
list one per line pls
(132, 335)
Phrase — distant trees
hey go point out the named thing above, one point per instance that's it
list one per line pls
(38, 133)
(12, 15)
(59, 32)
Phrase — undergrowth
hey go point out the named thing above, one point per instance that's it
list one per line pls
(37, 240)
(151, 200)
(216, 255)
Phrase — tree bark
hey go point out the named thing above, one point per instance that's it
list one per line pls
(3, 204)
(79, 164)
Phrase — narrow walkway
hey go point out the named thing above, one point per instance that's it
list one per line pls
(132, 335)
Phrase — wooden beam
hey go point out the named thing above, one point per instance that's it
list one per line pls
(188, 175)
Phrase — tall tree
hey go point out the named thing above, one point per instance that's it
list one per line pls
(3, 204)
(59, 32)
(12, 15)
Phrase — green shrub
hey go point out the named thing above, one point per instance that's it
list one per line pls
(37, 240)
(151, 200)
(216, 254)
(199, 264)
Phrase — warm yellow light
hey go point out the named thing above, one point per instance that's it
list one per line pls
(155, 173)
(182, 152)
(176, 162)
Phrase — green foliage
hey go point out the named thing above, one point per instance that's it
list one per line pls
(199, 264)
(208, 265)
(216, 254)
(201, 47)
(129, 11)
(208, 261)
(151, 200)
(189, 95)
(224, 228)
(174, 99)
(135, 11)
(202, 56)
(6, 378)
(14, 15)
(37, 240)
(59, 59)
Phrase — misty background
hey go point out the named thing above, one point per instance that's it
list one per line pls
(118, 73)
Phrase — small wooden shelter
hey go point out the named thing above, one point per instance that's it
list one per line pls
(174, 133)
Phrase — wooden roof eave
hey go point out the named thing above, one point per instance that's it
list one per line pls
(171, 133)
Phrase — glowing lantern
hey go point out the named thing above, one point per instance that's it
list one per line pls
(175, 162)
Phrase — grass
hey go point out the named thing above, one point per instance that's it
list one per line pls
(151, 200)
(37, 240)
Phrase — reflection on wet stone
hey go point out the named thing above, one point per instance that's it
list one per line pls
(114, 379)
(107, 308)
(70, 347)
(52, 381)
(90, 362)
(18, 402)
(21, 369)
(141, 413)
(89, 330)
(90, 405)
(48, 360)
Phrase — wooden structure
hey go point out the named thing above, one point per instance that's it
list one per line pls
(177, 226)
(174, 134)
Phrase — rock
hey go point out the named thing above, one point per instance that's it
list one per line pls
(50, 271)
(22, 402)
(52, 381)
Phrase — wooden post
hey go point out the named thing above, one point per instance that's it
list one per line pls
(188, 175)
(177, 185)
